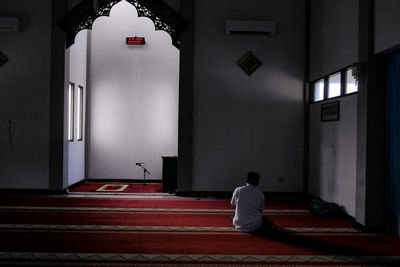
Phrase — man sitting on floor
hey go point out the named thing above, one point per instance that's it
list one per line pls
(248, 202)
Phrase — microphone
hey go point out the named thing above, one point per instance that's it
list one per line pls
(139, 163)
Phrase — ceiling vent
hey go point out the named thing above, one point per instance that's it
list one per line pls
(250, 27)
(9, 24)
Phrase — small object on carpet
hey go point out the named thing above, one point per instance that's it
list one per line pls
(112, 188)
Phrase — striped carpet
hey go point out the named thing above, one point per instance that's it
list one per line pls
(79, 231)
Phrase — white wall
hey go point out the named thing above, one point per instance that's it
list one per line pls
(133, 96)
(77, 74)
(243, 123)
(333, 150)
(24, 96)
(332, 155)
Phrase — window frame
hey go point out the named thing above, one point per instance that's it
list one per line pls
(329, 84)
(80, 110)
(345, 82)
(343, 85)
(313, 90)
(71, 112)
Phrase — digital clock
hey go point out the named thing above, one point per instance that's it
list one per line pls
(135, 40)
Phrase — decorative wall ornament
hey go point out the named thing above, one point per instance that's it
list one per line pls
(3, 59)
(83, 15)
(249, 63)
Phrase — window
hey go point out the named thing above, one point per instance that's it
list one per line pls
(338, 84)
(351, 82)
(319, 88)
(79, 125)
(71, 90)
(334, 85)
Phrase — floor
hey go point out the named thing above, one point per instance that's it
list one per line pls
(167, 230)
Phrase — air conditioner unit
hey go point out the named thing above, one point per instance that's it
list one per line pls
(9, 24)
(250, 27)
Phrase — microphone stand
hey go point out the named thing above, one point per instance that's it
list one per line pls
(144, 172)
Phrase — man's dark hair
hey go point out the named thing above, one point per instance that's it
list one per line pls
(253, 178)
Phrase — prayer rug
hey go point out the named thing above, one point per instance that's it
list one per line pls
(116, 188)
(112, 188)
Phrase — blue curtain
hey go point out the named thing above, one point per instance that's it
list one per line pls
(393, 140)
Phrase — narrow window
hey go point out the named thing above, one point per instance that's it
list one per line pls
(351, 82)
(79, 125)
(71, 90)
(319, 90)
(334, 85)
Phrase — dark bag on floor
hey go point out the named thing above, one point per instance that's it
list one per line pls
(322, 208)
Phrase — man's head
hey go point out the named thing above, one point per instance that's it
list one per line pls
(253, 178)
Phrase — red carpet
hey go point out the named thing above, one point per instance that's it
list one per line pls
(159, 219)
(202, 243)
(113, 187)
(76, 231)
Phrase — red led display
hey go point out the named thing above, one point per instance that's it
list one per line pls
(135, 40)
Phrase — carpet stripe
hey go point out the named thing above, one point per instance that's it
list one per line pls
(151, 212)
(181, 233)
(181, 264)
(140, 209)
(159, 219)
(165, 258)
(158, 228)
(161, 195)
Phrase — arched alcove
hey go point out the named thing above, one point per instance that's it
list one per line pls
(83, 15)
(132, 96)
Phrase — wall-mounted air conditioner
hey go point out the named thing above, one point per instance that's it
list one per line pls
(250, 27)
(9, 24)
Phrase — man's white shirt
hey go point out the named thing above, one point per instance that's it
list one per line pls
(249, 204)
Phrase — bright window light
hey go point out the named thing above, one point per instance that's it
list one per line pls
(319, 90)
(79, 115)
(71, 112)
(334, 85)
(351, 82)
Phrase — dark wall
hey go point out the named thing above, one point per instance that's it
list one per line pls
(24, 96)
(387, 24)
(242, 122)
(333, 36)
